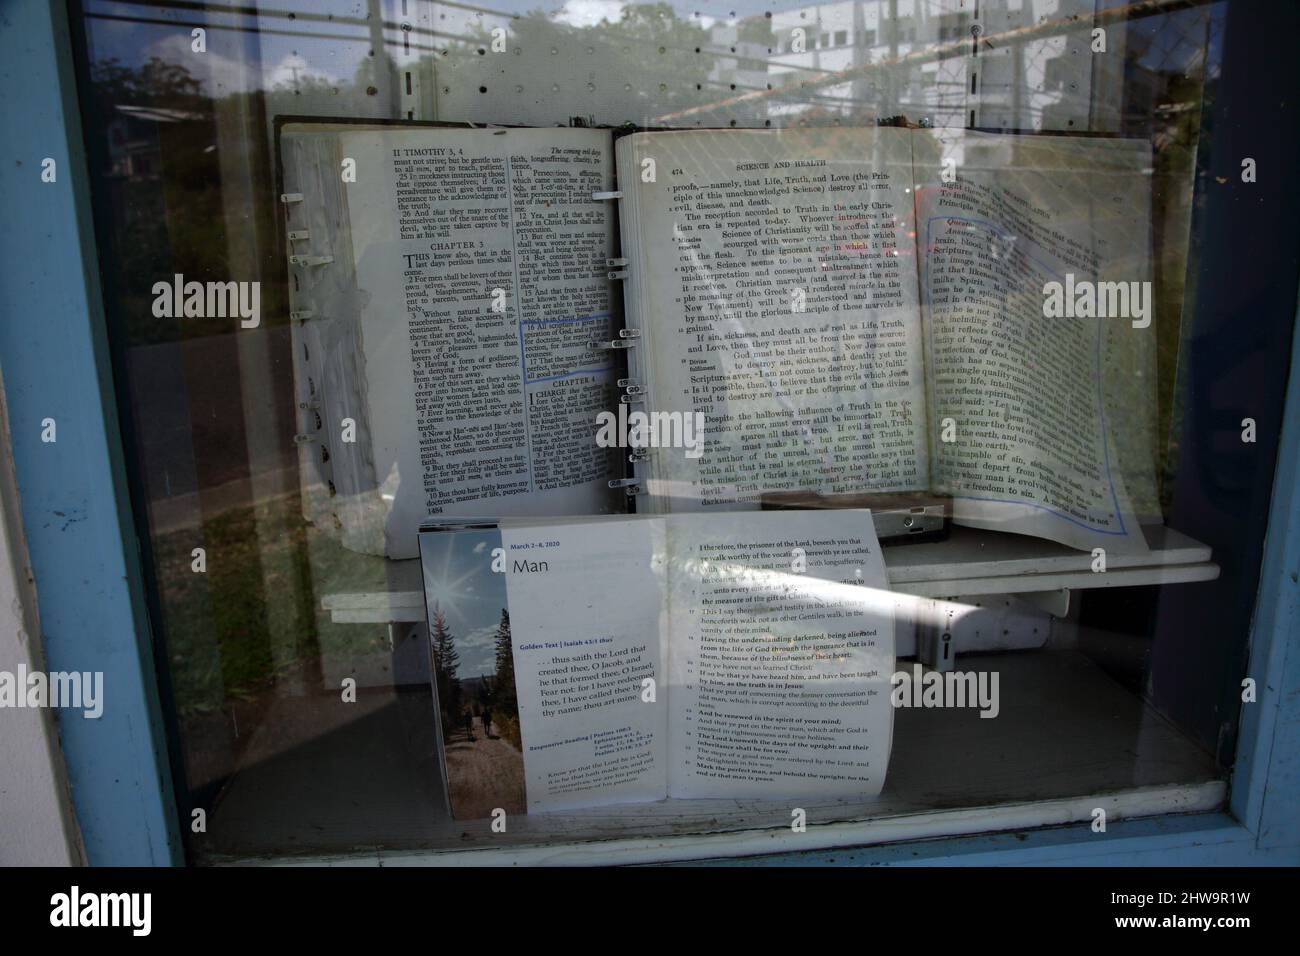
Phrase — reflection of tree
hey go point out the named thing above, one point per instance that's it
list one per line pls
(756, 30)
(155, 83)
(649, 43)
(162, 182)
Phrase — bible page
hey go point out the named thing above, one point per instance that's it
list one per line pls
(780, 655)
(1042, 414)
(480, 262)
(586, 611)
(773, 282)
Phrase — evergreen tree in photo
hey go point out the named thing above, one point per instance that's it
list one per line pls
(505, 701)
(442, 646)
(503, 698)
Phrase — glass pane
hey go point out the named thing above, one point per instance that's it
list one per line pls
(347, 244)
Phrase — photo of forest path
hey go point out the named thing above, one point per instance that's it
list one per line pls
(480, 722)
(472, 654)
(485, 771)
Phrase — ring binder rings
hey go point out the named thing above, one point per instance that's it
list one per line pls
(630, 485)
(347, 346)
(350, 349)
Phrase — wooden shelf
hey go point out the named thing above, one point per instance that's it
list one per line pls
(969, 562)
(974, 562)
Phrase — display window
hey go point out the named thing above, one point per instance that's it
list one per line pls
(616, 426)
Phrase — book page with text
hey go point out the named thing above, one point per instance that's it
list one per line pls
(1040, 424)
(480, 263)
(780, 655)
(585, 612)
(773, 280)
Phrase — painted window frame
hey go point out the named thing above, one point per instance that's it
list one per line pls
(85, 557)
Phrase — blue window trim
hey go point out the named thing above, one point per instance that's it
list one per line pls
(1265, 792)
(55, 359)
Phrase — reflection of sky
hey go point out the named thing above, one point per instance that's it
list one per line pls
(302, 48)
(458, 576)
(1177, 39)
(332, 51)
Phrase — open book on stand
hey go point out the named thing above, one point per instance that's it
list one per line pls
(526, 322)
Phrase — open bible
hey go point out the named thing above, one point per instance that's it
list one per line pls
(497, 314)
(741, 657)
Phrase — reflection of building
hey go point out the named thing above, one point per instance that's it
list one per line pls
(133, 148)
(746, 70)
(829, 38)
(1042, 83)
